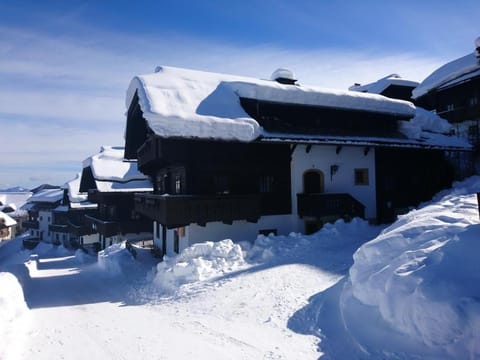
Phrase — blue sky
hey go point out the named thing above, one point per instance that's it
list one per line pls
(65, 65)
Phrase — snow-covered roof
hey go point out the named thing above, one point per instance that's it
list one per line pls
(47, 196)
(77, 199)
(449, 74)
(425, 130)
(380, 85)
(6, 221)
(112, 173)
(16, 198)
(187, 103)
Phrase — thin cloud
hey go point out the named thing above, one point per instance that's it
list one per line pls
(64, 97)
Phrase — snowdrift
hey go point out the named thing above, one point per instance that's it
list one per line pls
(12, 302)
(421, 276)
(198, 262)
(209, 260)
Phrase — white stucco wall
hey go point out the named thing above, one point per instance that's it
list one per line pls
(45, 218)
(89, 239)
(216, 231)
(349, 158)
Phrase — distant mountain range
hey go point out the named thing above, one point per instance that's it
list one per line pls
(15, 189)
(34, 190)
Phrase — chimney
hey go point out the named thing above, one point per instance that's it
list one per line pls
(284, 76)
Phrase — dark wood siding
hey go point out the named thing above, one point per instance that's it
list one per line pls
(406, 177)
(221, 168)
(398, 92)
(136, 131)
(87, 181)
(306, 119)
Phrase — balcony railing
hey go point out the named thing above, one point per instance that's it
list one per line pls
(323, 205)
(58, 228)
(30, 224)
(112, 227)
(181, 210)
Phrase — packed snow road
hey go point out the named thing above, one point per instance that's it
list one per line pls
(222, 301)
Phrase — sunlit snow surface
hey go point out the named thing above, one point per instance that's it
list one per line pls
(412, 293)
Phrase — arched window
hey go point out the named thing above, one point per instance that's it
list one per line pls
(313, 182)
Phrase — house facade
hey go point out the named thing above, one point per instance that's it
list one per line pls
(41, 215)
(453, 92)
(110, 182)
(7, 227)
(69, 226)
(233, 157)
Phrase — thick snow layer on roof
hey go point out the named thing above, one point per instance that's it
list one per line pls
(188, 103)
(17, 198)
(47, 196)
(73, 189)
(380, 85)
(457, 70)
(6, 220)
(112, 173)
(77, 199)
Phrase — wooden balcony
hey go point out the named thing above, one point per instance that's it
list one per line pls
(60, 228)
(329, 205)
(30, 224)
(109, 228)
(80, 229)
(181, 210)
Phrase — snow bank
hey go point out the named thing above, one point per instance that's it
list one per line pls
(203, 261)
(198, 262)
(422, 274)
(12, 302)
(115, 258)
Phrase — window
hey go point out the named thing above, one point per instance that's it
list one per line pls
(473, 101)
(178, 184)
(450, 107)
(41, 218)
(361, 176)
(176, 241)
(266, 183)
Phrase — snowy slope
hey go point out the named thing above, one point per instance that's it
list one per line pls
(410, 293)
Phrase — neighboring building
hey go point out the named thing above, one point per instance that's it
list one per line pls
(40, 209)
(69, 226)
(453, 92)
(111, 182)
(11, 203)
(392, 86)
(7, 227)
(232, 157)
